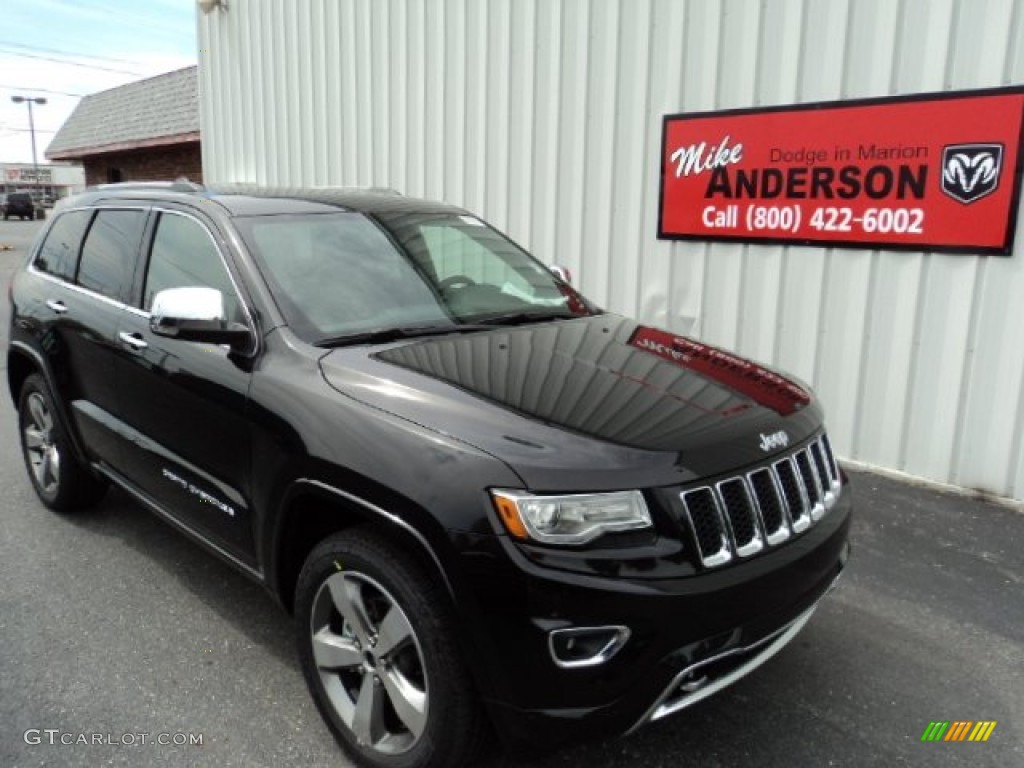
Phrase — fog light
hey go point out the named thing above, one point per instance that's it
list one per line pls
(586, 646)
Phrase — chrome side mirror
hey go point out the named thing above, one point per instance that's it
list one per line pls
(196, 313)
(562, 273)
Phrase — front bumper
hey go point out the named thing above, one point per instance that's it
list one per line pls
(690, 637)
(708, 676)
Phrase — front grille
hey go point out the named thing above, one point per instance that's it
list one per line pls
(741, 515)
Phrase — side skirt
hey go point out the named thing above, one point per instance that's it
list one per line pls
(166, 516)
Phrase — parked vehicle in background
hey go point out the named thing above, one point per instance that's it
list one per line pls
(19, 204)
(487, 502)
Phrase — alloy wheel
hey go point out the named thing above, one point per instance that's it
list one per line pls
(370, 662)
(43, 453)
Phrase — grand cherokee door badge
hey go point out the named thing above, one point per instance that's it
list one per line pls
(203, 495)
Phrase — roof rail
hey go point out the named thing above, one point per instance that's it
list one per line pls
(242, 187)
(367, 190)
(178, 185)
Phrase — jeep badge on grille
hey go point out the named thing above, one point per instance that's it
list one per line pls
(774, 441)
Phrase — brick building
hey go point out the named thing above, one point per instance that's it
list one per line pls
(146, 130)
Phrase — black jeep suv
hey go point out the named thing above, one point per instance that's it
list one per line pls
(488, 503)
(18, 204)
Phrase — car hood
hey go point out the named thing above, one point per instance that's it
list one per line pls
(602, 400)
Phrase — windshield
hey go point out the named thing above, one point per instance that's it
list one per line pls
(344, 274)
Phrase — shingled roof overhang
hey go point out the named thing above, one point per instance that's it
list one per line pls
(124, 146)
(155, 112)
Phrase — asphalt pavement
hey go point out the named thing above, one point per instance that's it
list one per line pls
(112, 626)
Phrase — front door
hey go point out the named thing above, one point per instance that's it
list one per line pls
(184, 401)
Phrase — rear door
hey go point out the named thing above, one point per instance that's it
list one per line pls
(85, 270)
(186, 401)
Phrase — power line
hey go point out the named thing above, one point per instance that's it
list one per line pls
(41, 49)
(71, 63)
(40, 90)
(25, 130)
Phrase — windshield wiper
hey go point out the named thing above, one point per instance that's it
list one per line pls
(519, 318)
(382, 335)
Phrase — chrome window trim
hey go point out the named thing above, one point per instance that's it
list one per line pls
(32, 269)
(724, 553)
(98, 208)
(138, 312)
(224, 263)
(84, 291)
(756, 543)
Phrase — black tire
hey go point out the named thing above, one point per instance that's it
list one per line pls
(428, 662)
(60, 481)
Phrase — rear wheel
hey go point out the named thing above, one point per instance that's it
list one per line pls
(60, 481)
(379, 653)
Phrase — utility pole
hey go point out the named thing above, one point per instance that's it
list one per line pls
(30, 100)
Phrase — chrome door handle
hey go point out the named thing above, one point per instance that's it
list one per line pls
(57, 306)
(133, 340)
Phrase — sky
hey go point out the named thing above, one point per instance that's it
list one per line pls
(64, 49)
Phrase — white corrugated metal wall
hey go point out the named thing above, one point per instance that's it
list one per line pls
(544, 117)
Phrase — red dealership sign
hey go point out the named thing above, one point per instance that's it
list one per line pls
(936, 172)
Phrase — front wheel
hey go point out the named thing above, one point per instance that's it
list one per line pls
(378, 649)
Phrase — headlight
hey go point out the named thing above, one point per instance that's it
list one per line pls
(574, 519)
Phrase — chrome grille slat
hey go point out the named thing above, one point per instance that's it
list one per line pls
(811, 485)
(824, 481)
(741, 516)
(744, 514)
(768, 497)
(796, 497)
(832, 464)
(708, 526)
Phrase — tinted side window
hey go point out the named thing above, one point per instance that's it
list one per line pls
(59, 254)
(183, 255)
(108, 256)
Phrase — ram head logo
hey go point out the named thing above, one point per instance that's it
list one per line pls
(971, 171)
